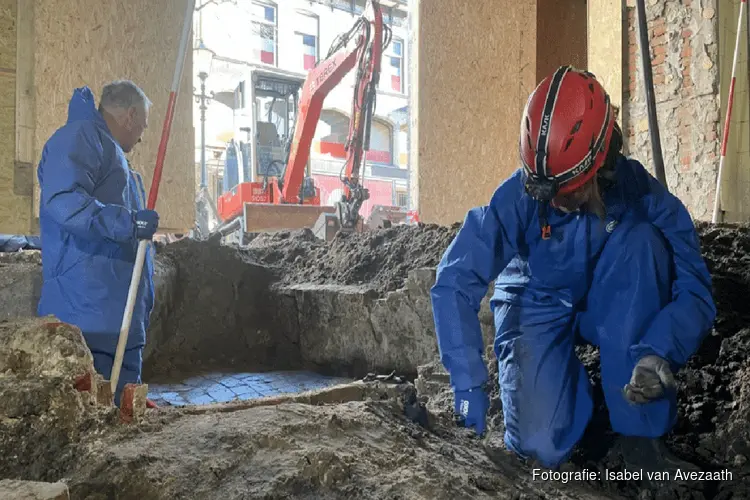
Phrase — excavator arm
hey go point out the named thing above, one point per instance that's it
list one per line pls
(360, 48)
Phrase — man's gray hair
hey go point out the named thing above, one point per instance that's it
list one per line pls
(122, 94)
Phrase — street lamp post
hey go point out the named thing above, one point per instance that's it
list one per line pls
(203, 60)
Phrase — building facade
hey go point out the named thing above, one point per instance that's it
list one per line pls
(292, 36)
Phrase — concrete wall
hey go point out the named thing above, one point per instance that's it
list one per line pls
(684, 60)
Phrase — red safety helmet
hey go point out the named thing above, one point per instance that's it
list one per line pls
(565, 132)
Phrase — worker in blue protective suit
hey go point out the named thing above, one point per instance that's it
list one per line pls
(92, 212)
(583, 243)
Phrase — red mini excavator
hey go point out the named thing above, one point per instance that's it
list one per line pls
(287, 198)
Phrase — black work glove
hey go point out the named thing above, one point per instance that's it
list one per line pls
(651, 379)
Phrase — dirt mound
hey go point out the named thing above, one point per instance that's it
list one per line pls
(366, 448)
(380, 259)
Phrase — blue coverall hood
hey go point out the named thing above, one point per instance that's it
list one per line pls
(82, 106)
(89, 196)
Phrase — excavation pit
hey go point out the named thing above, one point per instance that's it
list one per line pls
(290, 304)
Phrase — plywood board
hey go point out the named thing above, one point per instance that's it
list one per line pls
(561, 35)
(15, 209)
(92, 42)
(476, 64)
(735, 185)
(606, 45)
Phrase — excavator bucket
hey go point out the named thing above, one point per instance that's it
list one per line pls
(266, 217)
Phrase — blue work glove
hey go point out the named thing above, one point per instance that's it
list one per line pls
(471, 409)
(651, 380)
(146, 224)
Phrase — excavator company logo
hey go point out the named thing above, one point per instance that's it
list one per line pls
(611, 225)
(323, 75)
(257, 191)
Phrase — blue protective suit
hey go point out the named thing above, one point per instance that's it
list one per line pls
(634, 284)
(89, 196)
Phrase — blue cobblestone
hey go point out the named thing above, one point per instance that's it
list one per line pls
(224, 387)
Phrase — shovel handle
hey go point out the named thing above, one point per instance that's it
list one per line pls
(127, 318)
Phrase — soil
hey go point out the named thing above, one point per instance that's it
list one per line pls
(380, 259)
(713, 430)
(215, 314)
(379, 444)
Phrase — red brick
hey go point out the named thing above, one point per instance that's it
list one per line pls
(687, 50)
(685, 160)
(686, 71)
(686, 92)
(83, 383)
(687, 33)
(658, 79)
(687, 3)
(658, 41)
(712, 136)
(659, 70)
(658, 30)
(661, 49)
(133, 402)
(658, 59)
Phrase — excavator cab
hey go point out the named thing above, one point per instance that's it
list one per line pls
(275, 103)
(268, 105)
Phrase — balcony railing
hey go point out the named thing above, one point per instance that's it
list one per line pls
(356, 9)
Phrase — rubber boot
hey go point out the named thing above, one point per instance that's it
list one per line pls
(652, 459)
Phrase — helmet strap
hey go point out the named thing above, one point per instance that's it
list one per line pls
(543, 190)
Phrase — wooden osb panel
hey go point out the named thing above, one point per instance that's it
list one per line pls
(735, 178)
(91, 42)
(561, 35)
(606, 45)
(15, 209)
(475, 66)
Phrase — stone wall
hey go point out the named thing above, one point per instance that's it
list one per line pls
(684, 58)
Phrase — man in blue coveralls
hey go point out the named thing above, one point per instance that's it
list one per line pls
(581, 242)
(92, 212)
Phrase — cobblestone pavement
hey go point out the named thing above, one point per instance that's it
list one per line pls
(223, 387)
